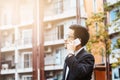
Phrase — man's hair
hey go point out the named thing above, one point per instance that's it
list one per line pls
(81, 33)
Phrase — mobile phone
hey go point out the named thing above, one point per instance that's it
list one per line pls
(76, 42)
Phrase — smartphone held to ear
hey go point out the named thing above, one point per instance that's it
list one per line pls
(76, 42)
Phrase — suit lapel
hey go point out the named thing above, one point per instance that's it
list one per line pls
(78, 56)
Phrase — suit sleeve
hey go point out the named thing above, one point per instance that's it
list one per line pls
(82, 67)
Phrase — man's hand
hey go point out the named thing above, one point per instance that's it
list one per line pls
(70, 48)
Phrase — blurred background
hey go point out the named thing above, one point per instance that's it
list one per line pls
(32, 34)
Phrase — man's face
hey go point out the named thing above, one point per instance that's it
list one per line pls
(69, 37)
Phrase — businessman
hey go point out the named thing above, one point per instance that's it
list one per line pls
(78, 63)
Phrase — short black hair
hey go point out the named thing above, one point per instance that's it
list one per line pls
(81, 33)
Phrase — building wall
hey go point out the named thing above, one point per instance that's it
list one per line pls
(95, 6)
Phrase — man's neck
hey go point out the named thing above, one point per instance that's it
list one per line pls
(78, 47)
(78, 50)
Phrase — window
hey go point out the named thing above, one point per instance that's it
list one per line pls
(82, 8)
(113, 42)
(60, 32)
(58, 6)
(27, 77)
(55, 33)
(116, 73)
(4, 19)
(7, 39)
(96, 27)
(8, 77)
(83, 22)
(113, 15)
(27, 59)
(27, 37)
(6, 16)
(58, 57)
(72, 3)
(94, 5)
(11, 78)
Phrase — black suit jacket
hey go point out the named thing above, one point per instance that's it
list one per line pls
(80, 66)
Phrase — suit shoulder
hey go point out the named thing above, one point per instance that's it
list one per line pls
(88, 54)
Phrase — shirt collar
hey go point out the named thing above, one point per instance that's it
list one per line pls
(76, 52)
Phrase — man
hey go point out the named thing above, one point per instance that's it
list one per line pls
(78, 63)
